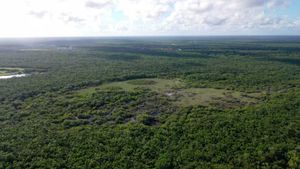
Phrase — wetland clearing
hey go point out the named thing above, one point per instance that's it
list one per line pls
(8, 73)
(179, 93)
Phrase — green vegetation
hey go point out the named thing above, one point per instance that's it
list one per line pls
(155, 84)
(182, 95)
(144, 82)
(143, 103)
(10, 71)
(216, 97)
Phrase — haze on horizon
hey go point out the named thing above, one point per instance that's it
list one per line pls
(54, 18)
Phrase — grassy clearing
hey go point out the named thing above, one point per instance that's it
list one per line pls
(215, 97)
(157, 85)
(179, 94)
(10, 71)
(2, 73)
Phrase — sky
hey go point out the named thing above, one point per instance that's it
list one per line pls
(67, 18)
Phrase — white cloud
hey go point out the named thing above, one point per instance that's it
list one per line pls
(99, 4)
(139, 17)
(200, 15)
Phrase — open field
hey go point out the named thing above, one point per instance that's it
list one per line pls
(178, 93)
(155, 84)
(10, 71)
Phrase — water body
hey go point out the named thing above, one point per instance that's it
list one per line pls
(12, 76)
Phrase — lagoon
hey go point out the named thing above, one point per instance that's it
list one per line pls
(12, 76)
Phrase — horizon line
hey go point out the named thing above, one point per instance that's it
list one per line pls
(145, 36)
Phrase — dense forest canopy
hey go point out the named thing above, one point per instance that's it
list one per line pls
(150, 102)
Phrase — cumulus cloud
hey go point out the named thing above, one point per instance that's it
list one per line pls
(38, 14)
(98, 4)
(134, 17)
(198, 15)
(71, 19)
